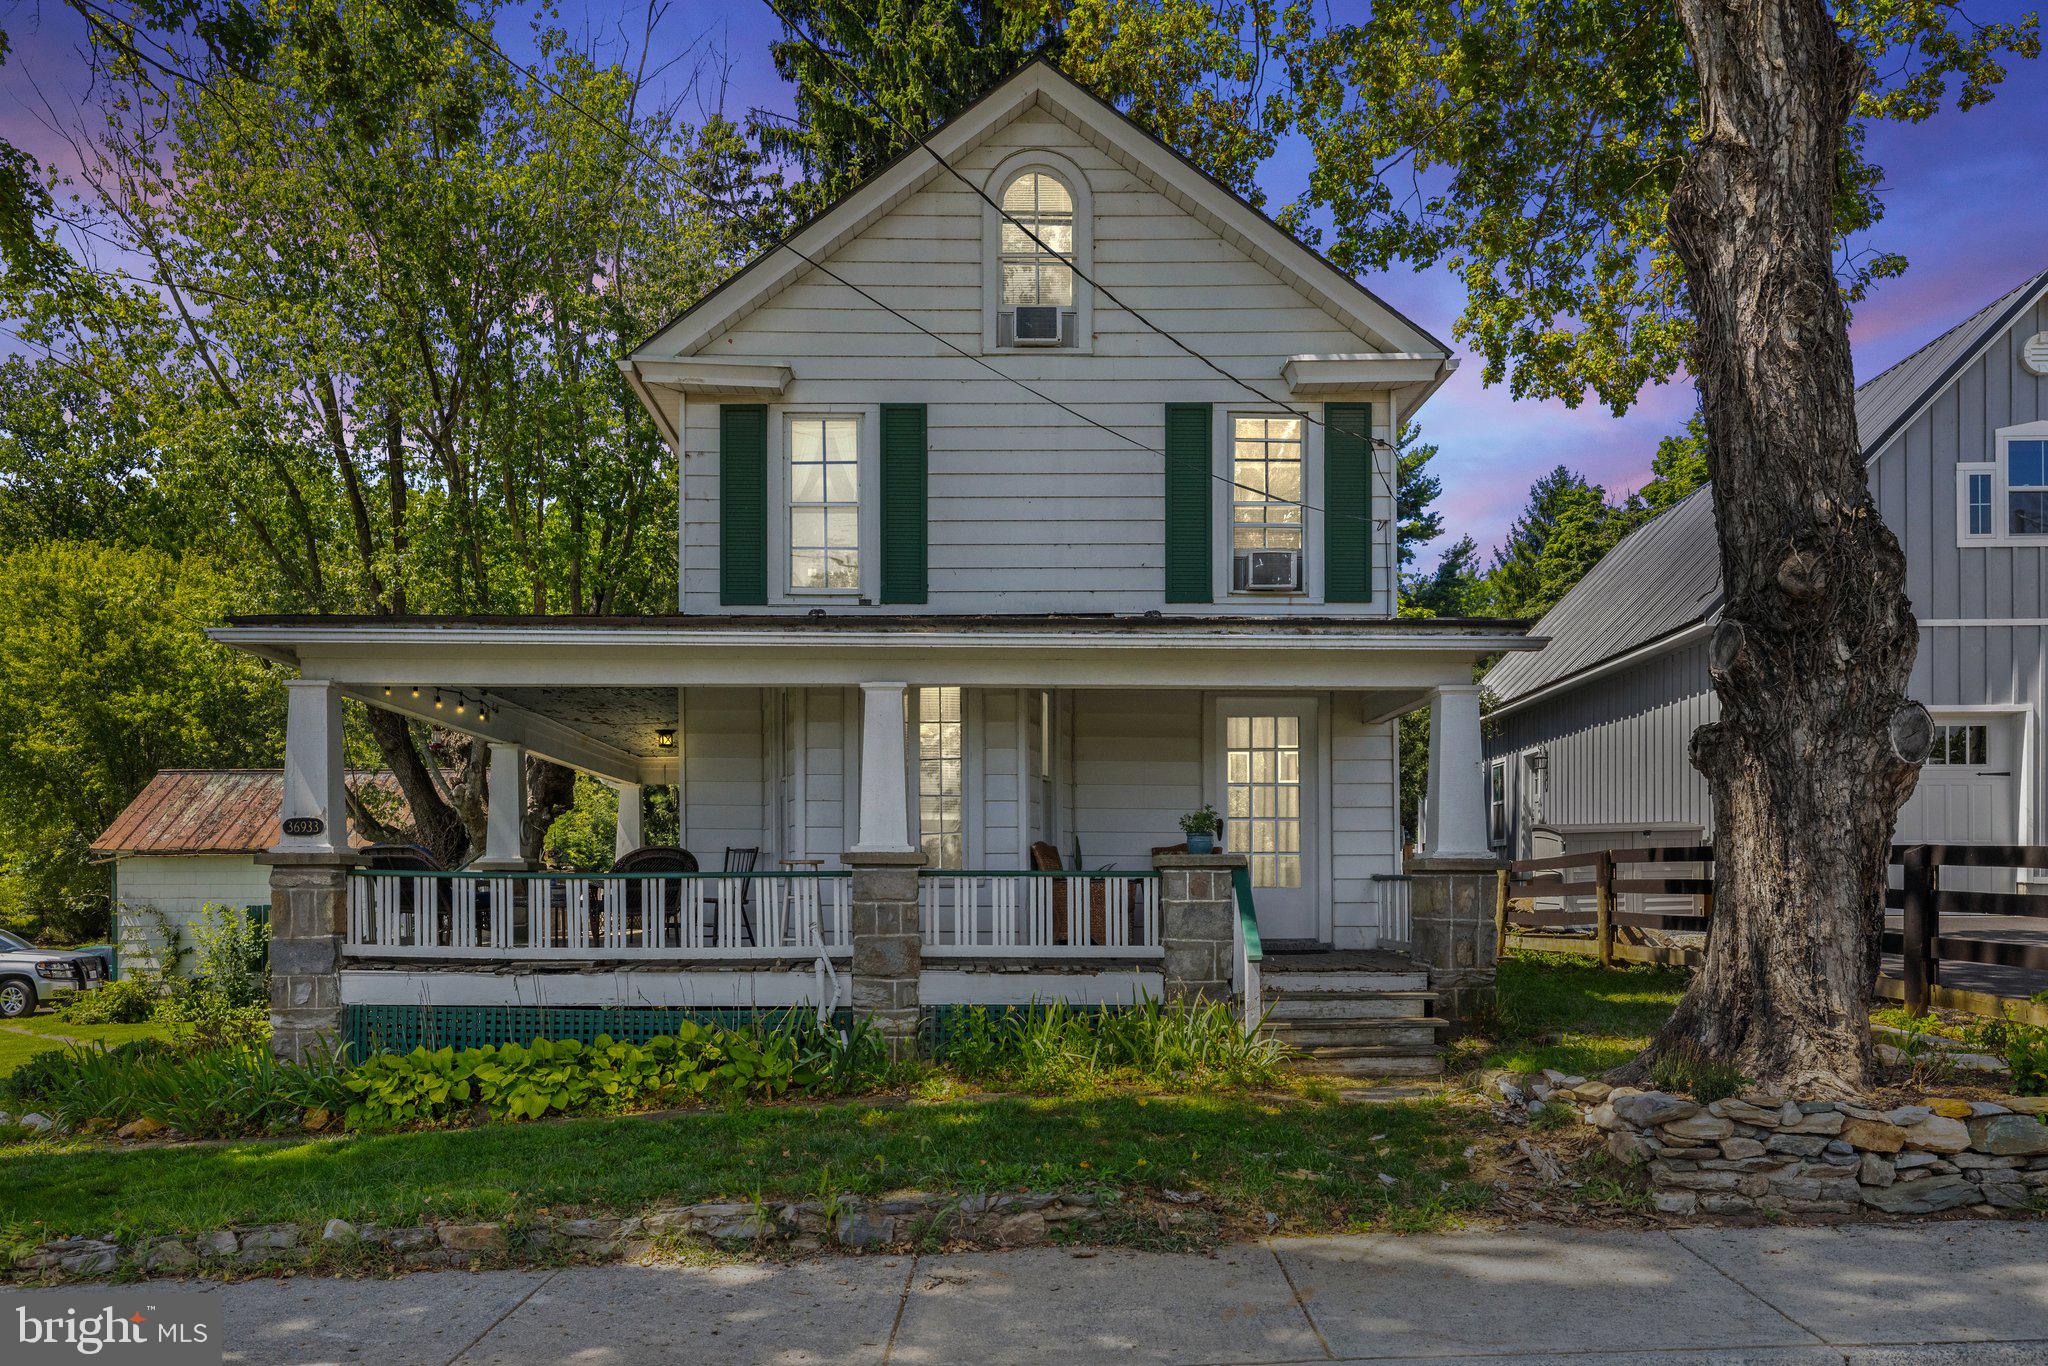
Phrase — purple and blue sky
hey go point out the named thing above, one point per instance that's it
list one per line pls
(1963, 198)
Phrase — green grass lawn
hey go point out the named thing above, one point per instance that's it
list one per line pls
(17, 1048)
(1313, 1161)
(1316, 1164)
(1561, 1011)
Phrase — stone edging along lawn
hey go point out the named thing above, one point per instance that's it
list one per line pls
(847, 1224)
(1761, 1153)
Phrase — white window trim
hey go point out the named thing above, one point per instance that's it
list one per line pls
(867, 421)
(2001, 511)
(1051, 163)
(1223, 442)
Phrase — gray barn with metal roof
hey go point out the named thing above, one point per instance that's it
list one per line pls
(1588, 736)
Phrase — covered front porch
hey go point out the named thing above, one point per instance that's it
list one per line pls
(1023, 781)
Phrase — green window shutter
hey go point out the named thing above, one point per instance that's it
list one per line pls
(1347, 502)
(742, 504)
(1190, 460)
(906, 554)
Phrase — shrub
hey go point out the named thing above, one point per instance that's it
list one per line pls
(566, 1076)
(2024, 1048)
(1058, 1048)
(126, 1000)
(215, 1093)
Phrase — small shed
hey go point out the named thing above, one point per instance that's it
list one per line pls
(188, 840)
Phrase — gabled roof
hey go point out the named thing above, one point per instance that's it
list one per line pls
(209, 811)
(1039, 83)
(1665, 576)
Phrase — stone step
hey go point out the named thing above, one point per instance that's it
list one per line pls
(1372, 1062)
(1418, 1033)
(1301, 982)
(1348, 1005)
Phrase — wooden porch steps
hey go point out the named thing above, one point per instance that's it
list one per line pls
(1359, 1013)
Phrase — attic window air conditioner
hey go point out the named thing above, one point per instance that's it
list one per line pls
(1269, 571)
(1036, 325)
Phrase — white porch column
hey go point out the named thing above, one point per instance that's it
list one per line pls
(1454, 819)
(315, 805)
(507, 794)
(884, 761)
(630, 811)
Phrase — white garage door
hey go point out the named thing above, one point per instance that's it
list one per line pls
(1968, 793)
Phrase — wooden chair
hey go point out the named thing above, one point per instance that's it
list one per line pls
(1045, 858)
(736, 861)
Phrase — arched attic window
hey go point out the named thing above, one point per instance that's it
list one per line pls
(1039, 239)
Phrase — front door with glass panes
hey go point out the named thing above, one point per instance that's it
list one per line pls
(1269, 805)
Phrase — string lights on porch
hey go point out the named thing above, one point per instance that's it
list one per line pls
(464, 703)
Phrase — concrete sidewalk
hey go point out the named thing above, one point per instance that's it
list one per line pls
(1940, 1292)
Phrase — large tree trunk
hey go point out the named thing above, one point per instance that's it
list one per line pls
(1817, 745)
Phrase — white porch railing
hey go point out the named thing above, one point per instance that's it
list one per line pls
(1039, 915)
(1390, 897)
(598, 915)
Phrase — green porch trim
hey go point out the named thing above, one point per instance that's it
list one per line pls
(1247, 913)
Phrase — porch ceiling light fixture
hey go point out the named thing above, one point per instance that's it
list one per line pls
(665, 737)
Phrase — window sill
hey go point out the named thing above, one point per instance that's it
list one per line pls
(1038, 350)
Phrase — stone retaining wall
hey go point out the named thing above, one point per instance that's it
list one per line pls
(847, 1223)
(1763, 1152)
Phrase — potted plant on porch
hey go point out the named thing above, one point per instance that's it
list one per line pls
(1201, 828)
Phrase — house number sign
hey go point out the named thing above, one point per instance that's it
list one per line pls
(302, 826)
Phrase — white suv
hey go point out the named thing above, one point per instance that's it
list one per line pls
(30, 976)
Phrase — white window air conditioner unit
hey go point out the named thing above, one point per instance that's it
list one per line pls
(1268, 571)
(1036, 325)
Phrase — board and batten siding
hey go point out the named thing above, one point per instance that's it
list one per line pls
(1617, 749)
(1617, 745)
(1032, 508)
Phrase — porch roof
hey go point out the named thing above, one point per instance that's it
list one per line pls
(1509, 632)
(595, 692)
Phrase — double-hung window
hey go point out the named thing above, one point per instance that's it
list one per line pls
(824, 504)
(1266, 475)
(1497, 803)
(1037, 242)
(2004, 500)
(2026, 487)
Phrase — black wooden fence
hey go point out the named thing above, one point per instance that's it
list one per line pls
(1921, 943)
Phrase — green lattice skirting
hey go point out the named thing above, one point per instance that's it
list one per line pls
(400, 1029)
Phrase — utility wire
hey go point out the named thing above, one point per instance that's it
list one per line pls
(626, 139)
(922, 141)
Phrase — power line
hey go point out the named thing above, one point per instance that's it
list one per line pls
(812, 43)
(632, 144)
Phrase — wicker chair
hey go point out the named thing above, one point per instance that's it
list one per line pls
(1046, 859)
(654, 858)
(412, 858)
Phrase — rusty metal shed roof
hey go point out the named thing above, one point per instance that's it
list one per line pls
(207, 811)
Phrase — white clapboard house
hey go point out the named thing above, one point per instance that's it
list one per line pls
(1035, 494)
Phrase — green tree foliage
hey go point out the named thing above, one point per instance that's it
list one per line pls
(104, 679)
(1191, 71)
(1532, 147)
(1415, 491)
(389, 280)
